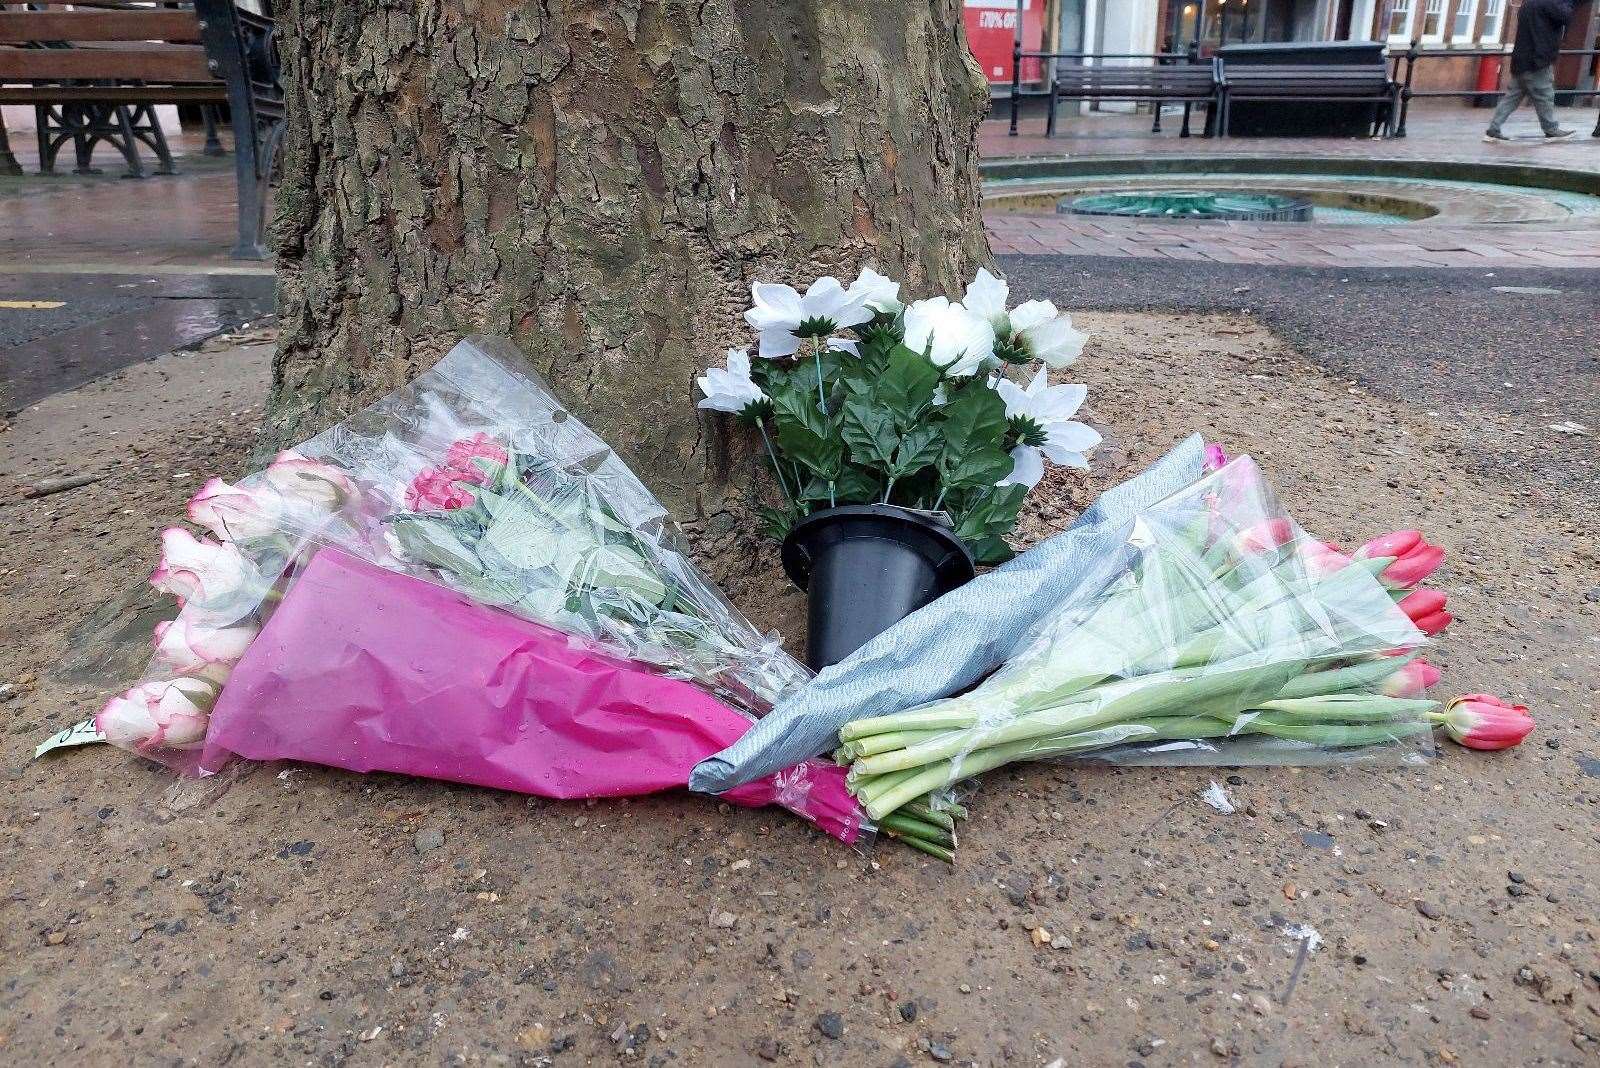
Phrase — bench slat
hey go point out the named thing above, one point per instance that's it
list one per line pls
(154, 24)
(151, 63)
(214, 93)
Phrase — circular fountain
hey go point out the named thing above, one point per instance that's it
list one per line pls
(1206, 204)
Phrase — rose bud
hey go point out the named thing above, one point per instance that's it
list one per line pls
(438, 490)
(1483, 721)
(191, 647)
(461, 455)
(234, 513)
(158, 714)
(211, 576)
(309, 482)
(1412, 680)
(1426, 609)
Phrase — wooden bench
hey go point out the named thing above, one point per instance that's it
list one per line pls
(1310, 83)
(1179, 82)
(95, 73)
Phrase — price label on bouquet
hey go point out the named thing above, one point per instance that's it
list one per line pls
(83, 733)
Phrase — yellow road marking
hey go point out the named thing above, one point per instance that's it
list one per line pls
(40, 304)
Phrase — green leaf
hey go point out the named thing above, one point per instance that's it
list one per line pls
(435, 543)
(805, 435)
(858, 485)
(919, 448)
(974, 429)
(991, 551)
(905, 388)
(988, 513)
(776, 522)
(870, 433)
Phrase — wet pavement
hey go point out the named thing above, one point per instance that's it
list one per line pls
(1520, 345)
(60, 330)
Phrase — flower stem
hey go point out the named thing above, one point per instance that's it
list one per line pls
(777, 469)
(822, 395)
(888, 490)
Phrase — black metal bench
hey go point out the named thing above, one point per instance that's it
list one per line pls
(1175, 82)
(95, 73)
(1310, 83)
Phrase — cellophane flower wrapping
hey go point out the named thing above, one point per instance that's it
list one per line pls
(1231, 637)
(461, 581)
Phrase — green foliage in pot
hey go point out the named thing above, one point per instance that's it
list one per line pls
(913, 407)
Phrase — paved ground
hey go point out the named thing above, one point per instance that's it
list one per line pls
(1441, 132)
(1522, 344)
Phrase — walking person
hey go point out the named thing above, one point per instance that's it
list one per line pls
(1540, 27)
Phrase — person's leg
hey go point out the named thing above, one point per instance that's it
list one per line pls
(1541, 86)
(1511, 101)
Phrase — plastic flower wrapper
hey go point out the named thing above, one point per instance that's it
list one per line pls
(362, 668)
(475, 476)
(1232, 637)
(459, 582)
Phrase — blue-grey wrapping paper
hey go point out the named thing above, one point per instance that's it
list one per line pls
(958, 639)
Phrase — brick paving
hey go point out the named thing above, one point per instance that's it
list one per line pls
(1438, 133)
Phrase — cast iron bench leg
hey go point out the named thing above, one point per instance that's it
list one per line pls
(8, 162)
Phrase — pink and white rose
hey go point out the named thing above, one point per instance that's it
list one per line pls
(210, 576)
(159, 714)
(237, 513)
(193, 647)
(309, 482)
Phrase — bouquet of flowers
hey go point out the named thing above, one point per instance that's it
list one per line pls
(860, 399)
(461, 582)
(1232, 637)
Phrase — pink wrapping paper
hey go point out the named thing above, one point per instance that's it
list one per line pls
(365, 669)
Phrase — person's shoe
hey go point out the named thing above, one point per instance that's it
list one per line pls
(1560, 133)
(1495, 137)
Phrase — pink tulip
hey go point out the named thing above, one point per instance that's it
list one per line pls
(1412, 680)
(479, 446)
(1265, 536)
(192, 647)
(1396, 543)
(1426, 609)
(1414, 559)
(437, 489)
(309, 482)
(1483, 721)
(1321, 558)
(234, 513)
(159, 714)
(1216, 458)
(211, 576)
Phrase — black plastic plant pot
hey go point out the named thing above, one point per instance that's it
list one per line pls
(864, 568)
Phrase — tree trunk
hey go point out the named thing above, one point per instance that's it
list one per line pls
(602, 181)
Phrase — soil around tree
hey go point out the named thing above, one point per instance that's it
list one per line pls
(294, 915)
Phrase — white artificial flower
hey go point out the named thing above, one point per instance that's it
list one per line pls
(730, 389)
(880, 293)
(1034, 330)
(986, 296)
(1043, 413)
(956, 340)
(783, 317)
(1043, 333)
(845, 344)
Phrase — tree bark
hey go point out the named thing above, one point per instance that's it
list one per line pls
(602, 182)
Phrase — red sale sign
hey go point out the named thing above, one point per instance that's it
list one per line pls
(991, 29)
